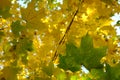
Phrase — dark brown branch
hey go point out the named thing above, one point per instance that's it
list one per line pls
(67, 30)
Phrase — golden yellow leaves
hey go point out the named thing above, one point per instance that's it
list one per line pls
(2, 23)
(33, 17)
(89, 11)
(5, 25)
(70, 4)
(105, 36)
(44, 47)
(84, 18)
(15, 11)
(37, 42)
(90, 1)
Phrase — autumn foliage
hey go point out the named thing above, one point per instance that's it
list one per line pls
(59, 40)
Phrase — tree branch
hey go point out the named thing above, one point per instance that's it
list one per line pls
(67, 30)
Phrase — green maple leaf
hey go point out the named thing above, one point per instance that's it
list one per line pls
(17, 28)
(24, 45)
(20, 46)
(98, 74)
(92, 56)
(68, 62)
(24, 58)
(113, 73)
(5, 12)
(85, 55)
(48, 69)
(10, 73)
(86, 43)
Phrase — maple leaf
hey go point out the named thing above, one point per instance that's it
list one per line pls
(24, 45)
(68, 62)
(111, 73)
(17, 28)
(91, 55)
(33, 17)
(48, 69)
(85, 55)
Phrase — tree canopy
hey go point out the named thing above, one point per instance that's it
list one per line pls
(56, 39)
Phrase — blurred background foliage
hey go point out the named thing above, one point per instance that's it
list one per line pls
(59, 39)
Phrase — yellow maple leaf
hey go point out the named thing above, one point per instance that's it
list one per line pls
(33, 17)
